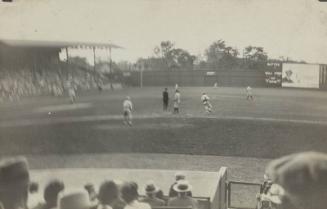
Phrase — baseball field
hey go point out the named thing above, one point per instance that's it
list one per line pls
(241, 134)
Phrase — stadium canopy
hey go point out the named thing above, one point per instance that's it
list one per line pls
(59, 44)
(49, 49)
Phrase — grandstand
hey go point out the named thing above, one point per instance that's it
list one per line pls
(30, 67)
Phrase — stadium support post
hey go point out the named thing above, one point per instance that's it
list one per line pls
(67, 55)
(141, 75)
(110, 67)
(67, 62)
(94, 63)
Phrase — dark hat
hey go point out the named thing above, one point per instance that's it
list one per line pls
(151, 188)
(304, 178)
(14, 172)
(89, 187)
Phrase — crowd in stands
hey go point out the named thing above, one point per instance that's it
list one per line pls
(17, 84)
(296, 181)
(15, 188)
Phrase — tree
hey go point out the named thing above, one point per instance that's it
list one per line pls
(172, 57)
(256, 57)
(180, 58)
(219, 55)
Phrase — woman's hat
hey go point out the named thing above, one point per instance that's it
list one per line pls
(182, 186)
(75, 200)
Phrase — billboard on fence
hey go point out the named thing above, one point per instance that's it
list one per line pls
(273, 78)
(300, 75)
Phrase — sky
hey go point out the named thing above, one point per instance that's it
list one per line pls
(289, 28)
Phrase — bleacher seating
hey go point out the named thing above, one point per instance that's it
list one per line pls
(25, 82)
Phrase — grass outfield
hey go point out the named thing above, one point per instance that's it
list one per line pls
(277, 122)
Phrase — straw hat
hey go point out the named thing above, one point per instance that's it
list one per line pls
(75, 200)
(182, 186)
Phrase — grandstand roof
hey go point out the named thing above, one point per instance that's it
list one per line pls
(58, 44)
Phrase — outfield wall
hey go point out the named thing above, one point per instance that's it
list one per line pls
(198, 78)
(293, 75)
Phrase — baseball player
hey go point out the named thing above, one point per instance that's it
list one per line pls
(177, 101)
(71, 92)
(206, 103)
(127, 108)
(249, 94)
(176, 87)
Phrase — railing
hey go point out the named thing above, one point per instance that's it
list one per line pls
(244, 197)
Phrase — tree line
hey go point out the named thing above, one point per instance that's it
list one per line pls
(218, 56)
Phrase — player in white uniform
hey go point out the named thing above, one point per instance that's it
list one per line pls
(177, 101)
(71, 91)
(176, 87)
(206, 103)
(127, 108)
(249, 94)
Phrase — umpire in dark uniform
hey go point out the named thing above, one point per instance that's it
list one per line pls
(165, 98)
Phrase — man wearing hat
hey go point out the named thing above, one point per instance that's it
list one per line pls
(178, 176)
(89, 187)
(303, 179)
(151, 190)
(14, 183)
(75, 200)
(183, 200)
(165, 99)
(272, 198)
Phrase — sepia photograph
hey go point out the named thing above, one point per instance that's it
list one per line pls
(163, 104)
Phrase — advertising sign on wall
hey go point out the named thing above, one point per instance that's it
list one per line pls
(300, 75)
(273, 78)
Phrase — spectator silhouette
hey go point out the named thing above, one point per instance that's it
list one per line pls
(50, 195)
(151, 190)
(92, 193)
(178, 176)
(109, 196)
(75, 200)
(14, 183)
(303, 179)
(183, 200)
(130, 195)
